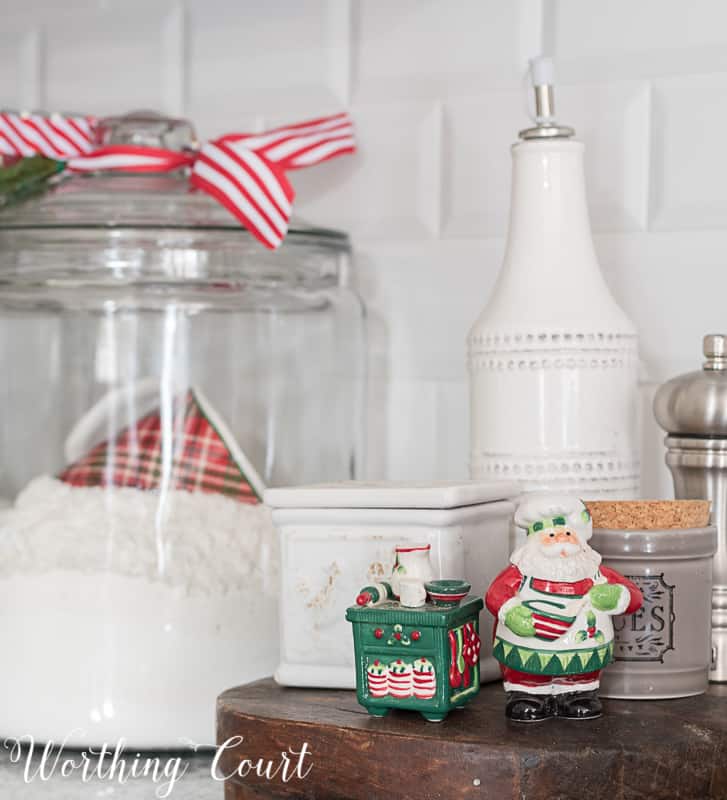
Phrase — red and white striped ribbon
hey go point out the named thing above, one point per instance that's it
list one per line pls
(254, 189)
(244, 172)
(295, 146)
(130, 158)
(55, 136)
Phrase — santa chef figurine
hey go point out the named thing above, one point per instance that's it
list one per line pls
(553, 606)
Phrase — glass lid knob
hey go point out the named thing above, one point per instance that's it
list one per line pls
(147, 129)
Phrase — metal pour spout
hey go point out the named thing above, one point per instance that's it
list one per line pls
(542, 75)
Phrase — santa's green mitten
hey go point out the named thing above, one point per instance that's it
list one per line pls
(605, 596)
(520, 621)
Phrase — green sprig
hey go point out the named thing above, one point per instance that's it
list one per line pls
(26, 177)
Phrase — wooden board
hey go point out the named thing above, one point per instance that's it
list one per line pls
(658, 750)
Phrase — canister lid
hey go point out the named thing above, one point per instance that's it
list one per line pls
(669, 543)
(695, 404)
(391, 494)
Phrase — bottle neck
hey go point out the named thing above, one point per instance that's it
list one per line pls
(550, 276)
(548, 210)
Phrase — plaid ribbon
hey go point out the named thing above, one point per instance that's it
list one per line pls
(194, 458)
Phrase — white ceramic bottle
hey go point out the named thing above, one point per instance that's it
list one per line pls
(553, 360)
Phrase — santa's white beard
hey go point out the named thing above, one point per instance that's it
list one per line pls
(532, 561)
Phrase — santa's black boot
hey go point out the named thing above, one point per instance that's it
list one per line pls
(524, 707)
(579, 705)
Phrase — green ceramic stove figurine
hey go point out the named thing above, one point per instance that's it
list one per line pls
(423, 657)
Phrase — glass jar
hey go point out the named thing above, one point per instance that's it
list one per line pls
(160, 369)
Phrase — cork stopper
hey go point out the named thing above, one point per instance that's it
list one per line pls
(644, 515)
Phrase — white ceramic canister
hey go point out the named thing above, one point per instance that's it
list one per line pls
(664, 650)
(552, 358)
(337, 538)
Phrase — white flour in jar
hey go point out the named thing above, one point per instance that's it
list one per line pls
(126, 612)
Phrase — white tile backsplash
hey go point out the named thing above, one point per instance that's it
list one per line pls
(419, 314)
(594, 40)
(588, 28)
(432, 408)
(11, 69)
(246, 56)
(689, 169)
(390, 190)
(436, 90)
(476, 178)
(114, 61)
(430, 48)
(673, 286)
(613, 120)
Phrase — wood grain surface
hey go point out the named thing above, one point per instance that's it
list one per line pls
(659, 750)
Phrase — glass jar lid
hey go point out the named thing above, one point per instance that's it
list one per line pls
(106, 200)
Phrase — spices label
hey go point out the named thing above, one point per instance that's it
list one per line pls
(649, 633)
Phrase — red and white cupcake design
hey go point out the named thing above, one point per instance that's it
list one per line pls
(377, 675)
(424, 679)
(400, 679)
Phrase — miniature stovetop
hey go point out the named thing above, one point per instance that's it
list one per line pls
(426, 615)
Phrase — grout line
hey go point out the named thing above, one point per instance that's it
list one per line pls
(174, 61)
(650, 194)
(548, 16)
(531, 31)
(31, 70)
(437, 209)
(340, 49)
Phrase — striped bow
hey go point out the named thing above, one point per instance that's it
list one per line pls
(244, 172)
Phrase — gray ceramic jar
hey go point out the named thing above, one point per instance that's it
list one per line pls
(665, 649)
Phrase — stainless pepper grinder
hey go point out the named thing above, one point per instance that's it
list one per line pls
(692, 409)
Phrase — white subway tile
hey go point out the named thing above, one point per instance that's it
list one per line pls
(688, 163)
(612, 119)
(422, 299)
(451, 442)
(431, 48)
(377, 429)
(250, 57)
(427, 430)
(417, 430)
(10, 78)
(673, 286)
(656, 481)
(389, 188)
(411, 452)
(478, 133)
(174, 57)
(107, 59)
(593, 40)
